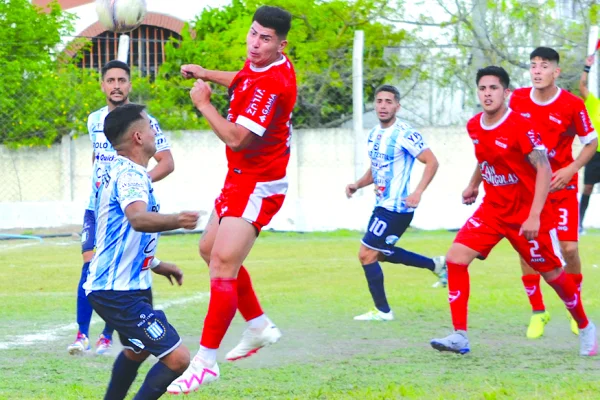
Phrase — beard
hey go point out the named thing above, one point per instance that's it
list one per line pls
(387, 120)
(119, 102)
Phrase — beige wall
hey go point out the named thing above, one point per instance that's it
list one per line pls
(46, 187)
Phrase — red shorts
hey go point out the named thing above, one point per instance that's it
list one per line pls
(256, 202)
(566, 208)
(482, 232)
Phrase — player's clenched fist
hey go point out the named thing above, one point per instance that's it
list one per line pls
(469, 195)
(193, 71)
(188, 219)
(351, 189)
(200, 94)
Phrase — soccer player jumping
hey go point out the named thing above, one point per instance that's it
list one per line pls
(393, 146)
(257, 134)
(558, 116)
(516, 174)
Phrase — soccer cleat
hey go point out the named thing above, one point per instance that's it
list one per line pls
(254, 340)
(80, 345)
(375, 315)
(441, 270)
(588, 342)
(574, 327)
(536, 324)
(103, 345)
(198, 373)
(456, 342)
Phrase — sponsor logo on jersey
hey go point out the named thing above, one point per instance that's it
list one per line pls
(585, 121)
(391, 240)
(526, 115)
(257, 97)
(475, 141)
(488, 173)
(538, 260)
(500, 144)
(155, 330)
(137, 343)
(105, 158)
(535, 138)
(554, 119)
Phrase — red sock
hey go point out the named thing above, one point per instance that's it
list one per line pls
(534, 291)
(577, 278)
(567, 291)
(247, 301)
(458, 294)
(221, 310)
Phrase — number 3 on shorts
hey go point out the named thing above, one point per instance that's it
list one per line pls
(377, 227)
(564, 216)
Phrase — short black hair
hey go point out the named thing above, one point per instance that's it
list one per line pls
(274, 18)
(494, 71)
(545, 53)
(389, 88)
(119, 120)
(115, 64)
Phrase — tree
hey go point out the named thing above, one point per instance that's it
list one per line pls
(320, 47)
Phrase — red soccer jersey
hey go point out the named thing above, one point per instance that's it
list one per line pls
(508, 177)
(262, 100)
(558, 121)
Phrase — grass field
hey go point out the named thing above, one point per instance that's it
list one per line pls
(311, 285)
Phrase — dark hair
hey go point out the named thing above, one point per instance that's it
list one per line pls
(390, 89)
(275, 18)
(545, 53)
(119, 120)
(494, 71)
(115, 64)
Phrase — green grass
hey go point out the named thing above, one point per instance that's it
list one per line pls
(312, 285)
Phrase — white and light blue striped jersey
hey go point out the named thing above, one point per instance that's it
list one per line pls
(123, 255)
(393, 151)
(104, 153)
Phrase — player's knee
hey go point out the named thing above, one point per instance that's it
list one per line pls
(205, 251)
(570, 251)
(221, 265)
(367, 256)
(137, 357)
(178, 360)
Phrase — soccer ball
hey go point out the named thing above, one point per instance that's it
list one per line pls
(121, 15)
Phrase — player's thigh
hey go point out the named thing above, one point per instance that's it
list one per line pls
(384, 230)
(480, 233)
(207, 239)
(88, 236)
(178, 360)
(525, 268)
(542, 253)
(140, 326)
(366, 255)
(233, 242)
(461, 254)
(566, 209)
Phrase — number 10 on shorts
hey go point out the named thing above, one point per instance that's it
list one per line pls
(377, 227)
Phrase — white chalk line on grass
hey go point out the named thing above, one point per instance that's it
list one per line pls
(49, 335)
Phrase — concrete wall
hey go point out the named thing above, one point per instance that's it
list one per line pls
(49, 187)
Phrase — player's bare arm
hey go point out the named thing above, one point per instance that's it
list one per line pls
(193, 71)
(431, 166)
(143, 220)
(164, 165)
(235, 136)
(583, 81)
(539, 159)
(169, 271)
(562, 177)
(469, 195)
(363, 181)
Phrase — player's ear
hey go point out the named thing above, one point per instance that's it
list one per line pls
(282, 45)
(556, 72)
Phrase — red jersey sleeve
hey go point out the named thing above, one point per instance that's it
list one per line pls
(530, 140)
(257, 113)
(582, 123)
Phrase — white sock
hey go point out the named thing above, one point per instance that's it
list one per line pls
(208, 355)
(258, 322)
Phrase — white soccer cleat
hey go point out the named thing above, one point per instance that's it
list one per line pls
(199, 373)
(375, 315)
(79, 346)
(254, 340)
(441, 270)
(588, 342)
(456, 342)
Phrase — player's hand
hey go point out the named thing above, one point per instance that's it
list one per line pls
(200, 94)
(351, 189)
(413, 200)
(169, 271)
(469, 195)
(589, 61)
(530, 227)
(561, 178)
(188, 219)
(193, 71)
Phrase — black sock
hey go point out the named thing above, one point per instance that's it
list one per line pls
(123, 374)
(158, 379)
(374, 275)
(401, 256)
(583, 205)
